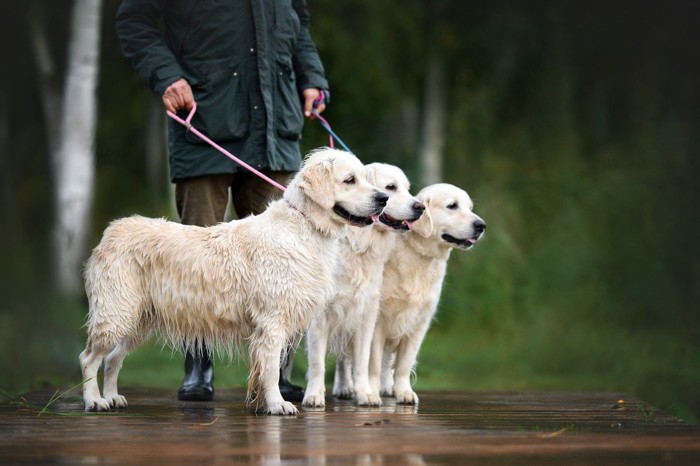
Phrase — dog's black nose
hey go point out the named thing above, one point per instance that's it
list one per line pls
(479, 226)
(381, 197)
(418, 206)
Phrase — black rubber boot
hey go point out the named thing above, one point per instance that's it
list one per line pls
(289, 391)
(199, 375)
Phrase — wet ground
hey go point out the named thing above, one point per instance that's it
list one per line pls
(466, 428)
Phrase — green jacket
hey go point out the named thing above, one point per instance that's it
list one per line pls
(247, 62)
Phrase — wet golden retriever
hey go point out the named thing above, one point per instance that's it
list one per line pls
(413, 278)
(256, 281)
(346, 327)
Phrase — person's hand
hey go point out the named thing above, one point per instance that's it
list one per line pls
(178, 96)
(310, 95)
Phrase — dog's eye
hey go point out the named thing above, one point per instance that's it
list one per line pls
(390, 187)
(349, 180)
(452, 205)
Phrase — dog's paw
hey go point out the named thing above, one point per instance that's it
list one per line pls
(117, 402)
(406, 397)
(314, 400)
(368, 399)
(344, 393)
(387, 392)
(96, 405)
(284, 408)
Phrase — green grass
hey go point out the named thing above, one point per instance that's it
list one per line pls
(153, 365)
(464, 355)
(22, 403)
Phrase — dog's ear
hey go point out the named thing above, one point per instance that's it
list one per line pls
(317, 183)
(371, 173)
(424, 225)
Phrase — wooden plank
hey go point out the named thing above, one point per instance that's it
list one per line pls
(447, 428)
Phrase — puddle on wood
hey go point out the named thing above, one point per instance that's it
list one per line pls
(469, 428)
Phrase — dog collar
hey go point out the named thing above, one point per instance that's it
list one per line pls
(295, 208)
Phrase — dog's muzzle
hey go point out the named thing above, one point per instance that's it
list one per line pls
(466, 243)
(380, 200)
(403, 224)
(351, 218)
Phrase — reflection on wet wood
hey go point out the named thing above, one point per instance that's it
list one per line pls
(447, 428)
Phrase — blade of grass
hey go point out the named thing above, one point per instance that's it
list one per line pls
(55, 397)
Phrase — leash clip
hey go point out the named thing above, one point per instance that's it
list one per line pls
(188, 125)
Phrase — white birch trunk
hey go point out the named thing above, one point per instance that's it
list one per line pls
(73, 160)
(433, 121)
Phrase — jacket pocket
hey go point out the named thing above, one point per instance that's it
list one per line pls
(222, 107)
(289, 115)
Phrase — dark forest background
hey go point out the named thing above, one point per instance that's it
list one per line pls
(574, 125)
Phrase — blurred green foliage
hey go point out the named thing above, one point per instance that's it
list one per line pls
(574, 126)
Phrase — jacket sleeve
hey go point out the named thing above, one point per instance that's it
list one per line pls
(137, 25)
(307, 63)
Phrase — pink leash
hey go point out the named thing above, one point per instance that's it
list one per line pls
(188, 125)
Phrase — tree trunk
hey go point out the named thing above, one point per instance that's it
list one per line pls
(48, 77)
(6, 171)
(73, 159)
(433, 121)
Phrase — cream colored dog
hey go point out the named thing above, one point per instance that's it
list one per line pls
(412, 285)
(347, 325)
(256, 281)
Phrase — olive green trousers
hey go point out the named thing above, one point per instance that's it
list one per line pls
(202, 200)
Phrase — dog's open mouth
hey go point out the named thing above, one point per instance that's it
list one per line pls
(354, 219)
(464, 243)
(396, 224)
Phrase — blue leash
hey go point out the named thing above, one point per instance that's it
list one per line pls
(325, 124)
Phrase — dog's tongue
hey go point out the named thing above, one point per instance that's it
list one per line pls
(375, 218)
(472, 240)
(408, 224)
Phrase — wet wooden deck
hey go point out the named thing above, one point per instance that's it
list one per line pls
(468, 428)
